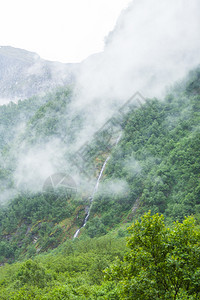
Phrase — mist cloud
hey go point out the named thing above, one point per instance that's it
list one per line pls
(35, 164)
(153, 44)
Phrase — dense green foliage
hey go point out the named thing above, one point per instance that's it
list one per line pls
(158, 157)
(163, 263)
(72, 271)
(35, 223)
(160, 263)
(155, 166)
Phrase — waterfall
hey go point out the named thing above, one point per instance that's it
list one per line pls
(92, 197)
(95, 190)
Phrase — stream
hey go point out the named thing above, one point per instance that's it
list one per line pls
(92, 197)
(94, 191)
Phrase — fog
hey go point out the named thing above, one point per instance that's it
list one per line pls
(154, 44)
(35, 164)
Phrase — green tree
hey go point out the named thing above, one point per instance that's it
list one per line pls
(163, 263)
(32, 273)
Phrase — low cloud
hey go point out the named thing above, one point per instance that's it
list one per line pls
(114, 187)
(37, 163)
(153, 44)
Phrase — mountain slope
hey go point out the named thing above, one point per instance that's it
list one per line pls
(24, 74)
(158, 157)
(154, 166)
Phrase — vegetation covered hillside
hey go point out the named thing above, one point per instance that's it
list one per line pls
(159, 263)
(155, 166)
(29, 124)
(158, 158)
(33, 127)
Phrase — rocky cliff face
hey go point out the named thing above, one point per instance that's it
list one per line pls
(24, 74)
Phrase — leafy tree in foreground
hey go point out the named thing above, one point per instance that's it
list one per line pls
(32, 273)
(163, 263)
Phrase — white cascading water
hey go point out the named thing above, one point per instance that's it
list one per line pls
(92, 197)
(94, 191)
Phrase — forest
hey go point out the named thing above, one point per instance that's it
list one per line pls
(142, 239)
(158, 263)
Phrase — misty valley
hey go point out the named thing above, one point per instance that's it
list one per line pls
(100, 166)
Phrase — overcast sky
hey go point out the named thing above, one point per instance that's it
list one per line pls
(62, 30)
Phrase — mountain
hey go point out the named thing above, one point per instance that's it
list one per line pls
(155, 166)
(80, 163)
(152, 45)
(24, 74)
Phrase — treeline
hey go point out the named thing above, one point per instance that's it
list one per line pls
(158, 157)
(72, 271)
(31, 122)
(160, 262)
(32, 224)
(155, 166)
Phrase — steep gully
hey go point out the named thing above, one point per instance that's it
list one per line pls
(95, 190)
